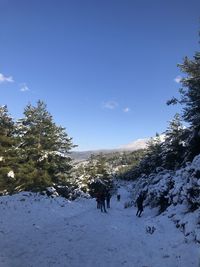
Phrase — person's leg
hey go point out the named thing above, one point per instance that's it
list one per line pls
(101, 206)
(137, 212)
(141, 210)
(104, 206)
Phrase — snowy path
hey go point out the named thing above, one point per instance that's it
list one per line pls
(44, 233)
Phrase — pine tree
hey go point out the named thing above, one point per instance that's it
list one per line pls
(44, 149)
(154, 150)
(191, 94)
(190, 99)
(95, 175)
(8, 156)
(101, 166)
(174, 144)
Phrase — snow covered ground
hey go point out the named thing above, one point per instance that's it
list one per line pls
(37, 231)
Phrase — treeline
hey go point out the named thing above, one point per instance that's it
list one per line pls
(179, 144)
(101, 170)
(34, 151)
(120, 162)
(35, 154)
(124, 159)
(94, 175)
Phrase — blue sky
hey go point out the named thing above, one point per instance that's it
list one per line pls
(104, 68)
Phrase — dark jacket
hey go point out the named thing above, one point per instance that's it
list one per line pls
(139, 202)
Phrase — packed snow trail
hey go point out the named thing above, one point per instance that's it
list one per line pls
(39, 232)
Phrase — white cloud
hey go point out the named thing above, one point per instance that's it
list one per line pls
(24, 87)
(110, 105)
(4, 79)
(178, 79)
(126, 109)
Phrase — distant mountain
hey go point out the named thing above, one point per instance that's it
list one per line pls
(135, 145)
(140, 143)
(84, 155)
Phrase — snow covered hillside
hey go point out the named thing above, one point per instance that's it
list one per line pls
(177, 194)
(136, 144)
(37, 231)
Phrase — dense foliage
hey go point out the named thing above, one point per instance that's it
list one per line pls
(8, 153)
(94, 175)
(190, 100)
(34, 151)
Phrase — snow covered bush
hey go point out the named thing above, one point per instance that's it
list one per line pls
(177, 193)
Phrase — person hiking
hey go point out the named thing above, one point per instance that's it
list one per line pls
(102, 202)
(108, 197)
(139, 203)
(118, 197)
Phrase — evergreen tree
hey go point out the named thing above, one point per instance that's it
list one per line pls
(44, 148)
(8, 157)
(174, 144)
(190, 99)
(153, 157)
(191, 93)
(102, 167)
(95, 176)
